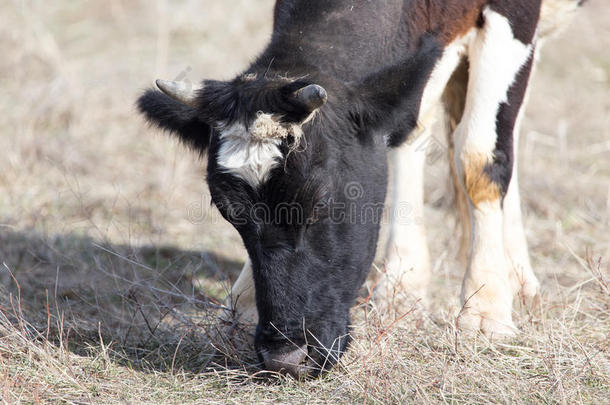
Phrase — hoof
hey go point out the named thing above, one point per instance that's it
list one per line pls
(468, 321)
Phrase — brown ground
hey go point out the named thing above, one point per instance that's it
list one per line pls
(110, 252)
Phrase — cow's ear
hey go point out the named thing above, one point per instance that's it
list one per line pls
(176, 114)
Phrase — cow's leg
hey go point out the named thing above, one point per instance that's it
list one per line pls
(454, 100)
(500, 64)
(522, 277)
(241, 302)
(407, 270)
(407, 256)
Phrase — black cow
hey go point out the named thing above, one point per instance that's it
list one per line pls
(297, 148)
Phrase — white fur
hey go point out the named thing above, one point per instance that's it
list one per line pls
(486, 291)
(407, 257)
(251, 154)
(522, 277)
(442, 72)
(496, 58)
(245, 157)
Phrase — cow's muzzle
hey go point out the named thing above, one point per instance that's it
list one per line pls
(293, 363)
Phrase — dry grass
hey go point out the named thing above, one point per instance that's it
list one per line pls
(111, 262)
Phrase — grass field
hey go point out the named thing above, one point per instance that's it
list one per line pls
(112, 261)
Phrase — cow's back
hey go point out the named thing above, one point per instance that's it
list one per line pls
(350, 38)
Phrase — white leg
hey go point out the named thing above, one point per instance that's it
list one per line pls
(522, 277)
(496, 59)
(407, 258)
(241, 300)
(486, 293)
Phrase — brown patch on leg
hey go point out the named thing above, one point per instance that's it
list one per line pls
(479, 186)
(461, 203)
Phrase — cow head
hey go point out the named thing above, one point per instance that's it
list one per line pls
(301, 175)
(276, 168)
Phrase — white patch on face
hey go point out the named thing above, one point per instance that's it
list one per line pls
(251, 155)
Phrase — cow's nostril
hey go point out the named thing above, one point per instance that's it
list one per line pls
(288, 363)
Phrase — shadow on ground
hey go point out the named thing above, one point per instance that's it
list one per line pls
(151, 308)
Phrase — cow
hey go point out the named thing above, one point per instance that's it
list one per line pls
(297, 149)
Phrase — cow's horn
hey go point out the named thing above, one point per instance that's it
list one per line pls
(312, 96)
(183, 92)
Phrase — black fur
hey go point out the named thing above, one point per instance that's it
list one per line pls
(522, 15)
(500, 170)
(173, 116)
